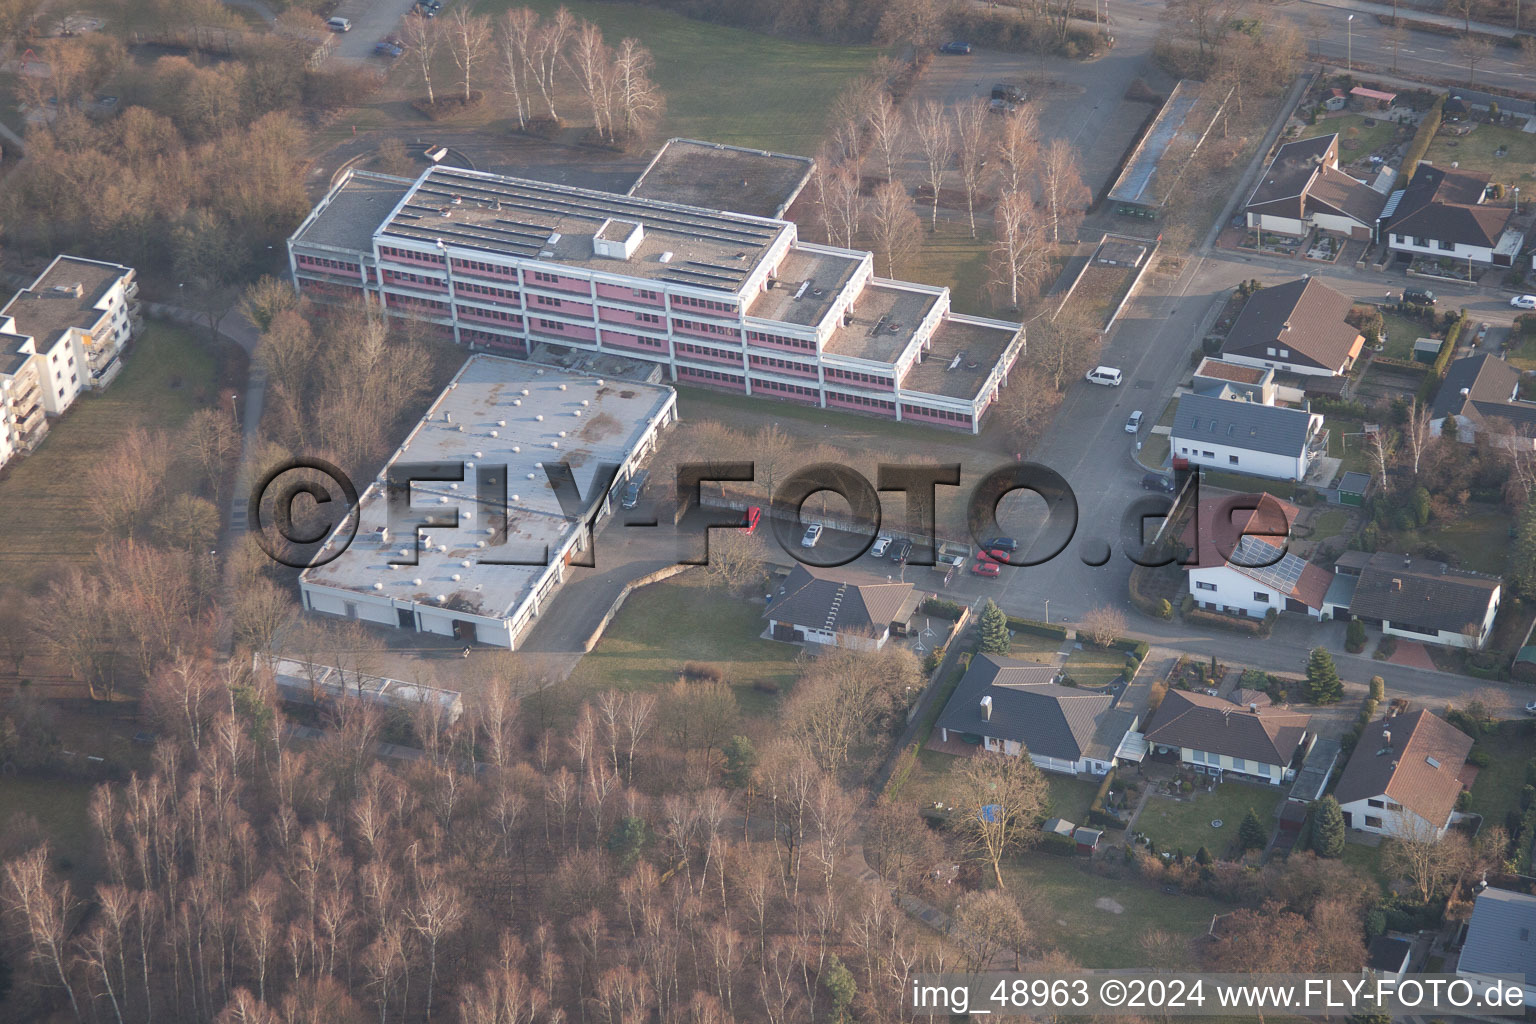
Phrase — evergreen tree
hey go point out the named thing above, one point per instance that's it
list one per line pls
(994, 629)
(1323, 685)
(1202, 856)
(1328, 829)
(1378, 689)
(740, 762)
(1252, 833)
(627, 839)
(841, 986)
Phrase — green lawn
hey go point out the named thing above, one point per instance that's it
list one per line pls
(1401, 334)
(951, 257)
(931, 783)
(1346, 442)
(1367, 859)
(679, 620)
(1523, 353)
(1479, 540)
(170, 373)
(1029, 647)
(1496, 791)
(1475, 152)
(1099, 921)
(1186, 824)
(1095, 666)
(1330, 523)
(727, 84)
(1356, 139)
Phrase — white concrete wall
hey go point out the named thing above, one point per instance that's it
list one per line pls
(1405, 243)
(1235, 590)
(1396, 820)
(1275, 467)
(1278, 363)
(1337, 223)
(1279, 225)
(1275, 773)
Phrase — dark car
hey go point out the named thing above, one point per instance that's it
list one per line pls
(900, 550)
(387, 49)
(956, 46)
(1157, 482)
(1000, 544)
(1419, 296)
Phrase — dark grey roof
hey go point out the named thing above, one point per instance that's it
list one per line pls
(1278, 430)
(1389, 954)
(1292, 170)
(1027, 707)
(1354, 483)
(841, 600)
(1346, 195)
(1501, 937)
(1481, 388)
(1443, 205)
(1419, 592)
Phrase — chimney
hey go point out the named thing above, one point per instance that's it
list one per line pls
(986, 707)
(1253, 708)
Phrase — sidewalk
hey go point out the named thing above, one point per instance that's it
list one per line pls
(1413, 14)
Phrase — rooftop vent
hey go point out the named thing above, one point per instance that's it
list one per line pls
(665, 257)
(986, 707)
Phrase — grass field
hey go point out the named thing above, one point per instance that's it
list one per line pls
(170, 373)
(1367, 859)
(61, 809)
(930, 783)
(1098, 921)
(1475, 152)
(1496, 791)
(1346, 444)
(727, 84)
(951, 257)
(1479, 540)
(1356, 139)
(1401, 334)
(1186, 824)
(1330, 523)
(683, 619)
(1095, 666)
(1029, 647)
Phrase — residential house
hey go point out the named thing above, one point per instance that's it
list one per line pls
(841, 607)
(1014, 706)
(1480, 395)
(1303, 189)
(1296, 327)
(712, 297)
(1216, 737)
(1442, 213)
(1226, 429)
(1419, 599)
(1238, 563)
(1501, 940)
(1404, 777)
(23, 422)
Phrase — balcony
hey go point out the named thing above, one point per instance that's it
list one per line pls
(131, 289)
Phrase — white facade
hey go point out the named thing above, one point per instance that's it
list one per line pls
(1293, 226)
(1446, 638)
(1061, 766)
(1221, 588)
(1384, 816)
(831, 638)
(1214, 455)
(1218, 764)
(1432, 247)
(1278, 357)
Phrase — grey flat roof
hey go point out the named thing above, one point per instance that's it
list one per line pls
(1135, 182)
(355, 211)
(981, 344)
(1275, 429)
(1501, 937)
(721, 177)
(885, 320)
(533, 410)
(827, 270)
(537, 220)
(45, 314)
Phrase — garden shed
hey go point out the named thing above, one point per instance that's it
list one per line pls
(1426, 349)
(1353, 488)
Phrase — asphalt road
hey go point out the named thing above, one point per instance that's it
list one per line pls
(372, 20)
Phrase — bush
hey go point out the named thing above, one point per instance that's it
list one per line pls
(1354, 637)
(1378, 688)
(1386, 648)
(1480, 758)
(1045, 629)
(703, 672)
(1164, 609)
(941, 608)
(1236, 623)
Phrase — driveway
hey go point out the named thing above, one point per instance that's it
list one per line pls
(371, 20)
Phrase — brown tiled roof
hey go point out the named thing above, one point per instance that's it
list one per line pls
(1200, 722)
(840, 600)
(1304, 316)
(1420, 769)
(1347, 195)
(1252, 537)
(1489, 383)
(1419, 592)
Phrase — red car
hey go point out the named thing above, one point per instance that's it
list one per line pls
(754, 515)
(985, 567)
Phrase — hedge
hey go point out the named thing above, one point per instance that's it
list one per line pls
(1443, 359)
(1136, 648)
(1046, 629)
(1058, 845)
(1425, 134)
(941, 608)
(1256, 627)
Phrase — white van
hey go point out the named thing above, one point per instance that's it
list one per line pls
(338, 24)
(1106, 375)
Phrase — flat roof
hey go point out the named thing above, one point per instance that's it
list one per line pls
(553, 223)
(823, 271)
(885, 319)
(1168, 145)
(720, 177)
(533, 410)
(12, 358)
(981, 344)
(355, 210)
(44, 314)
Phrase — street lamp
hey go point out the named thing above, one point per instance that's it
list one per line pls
(1349, 43)
(1517, 200)
(1047, 613)
(233, 410)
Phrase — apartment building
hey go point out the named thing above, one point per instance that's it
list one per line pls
(719, 299)
(63, 335)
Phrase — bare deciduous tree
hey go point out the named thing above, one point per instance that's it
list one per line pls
(895, 229)
(469, 41)
(1017, 147)
(972, 137)
(423, 40)
(515, 39)
(1103, 625)
(1004, 798)
(887, 132)
(1019, 258)
(1418, 434)
(547, 55)
(1063, 193)
(937, 140)
(639, 101)
(592, 61)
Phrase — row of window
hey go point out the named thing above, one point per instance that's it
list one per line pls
(410, 254)
(1423, 243)
(780, 340)
(470, 288)
(1238, 764)
(639, 339)
(724, 378)
(688, 300)
(769, 362)
(863, 378)
(432, 305)
(401, 277)
(327, 264)
(703, 328)
(873, 403)
(491, 314)
(479, 266)
(938, 414)
(788, 389)
(683, 348)
(1232, 460)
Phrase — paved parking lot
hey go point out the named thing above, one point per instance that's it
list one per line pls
(372, 20)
